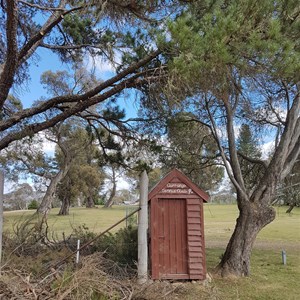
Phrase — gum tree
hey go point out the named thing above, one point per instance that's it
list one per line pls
(74, 30)
(235, 62)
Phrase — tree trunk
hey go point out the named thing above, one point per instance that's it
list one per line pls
(65, 206)
(236, 259)
(89, 202)
(110, 201)
(290, 208)
(47, 200)
(46, 203)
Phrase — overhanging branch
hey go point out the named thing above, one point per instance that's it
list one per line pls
(73, 110)
(52, 103)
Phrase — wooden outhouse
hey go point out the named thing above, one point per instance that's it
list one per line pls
(177, 248)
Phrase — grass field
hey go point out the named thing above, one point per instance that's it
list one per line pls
(269, 279)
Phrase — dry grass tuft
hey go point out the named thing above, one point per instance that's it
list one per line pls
(95, 278)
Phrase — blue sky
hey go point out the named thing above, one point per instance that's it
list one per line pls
(47, 60)
(32, 90)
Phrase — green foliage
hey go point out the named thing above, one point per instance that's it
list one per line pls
(193, 150)
(33, 204)
(56, 83)
(114, 113)
(100, 201)
(98, 296)
(80, 29)
(120, 247)
(247, 145)
(289, 191)
(154, 176)
(13, 105)
(215, 36)
(141, 166)
(83, 233)
(85, 177)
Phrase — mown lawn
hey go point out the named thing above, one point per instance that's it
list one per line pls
(220, 222)
(269, 279)
(95, 219)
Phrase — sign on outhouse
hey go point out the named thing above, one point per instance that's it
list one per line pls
(177, 249)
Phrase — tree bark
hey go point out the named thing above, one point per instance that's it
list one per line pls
(9, 67)
(110, 201)
(290, 208)
(81, 102)
(89, 202)
(236, 259)
(46, 203)
(65, 206)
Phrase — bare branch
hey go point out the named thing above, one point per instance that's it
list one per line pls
(224, 158)
(275, 113)
(286, 152)
(236, 168)
(253, 160)
(47, 8)
(30, 47)
(68, 47)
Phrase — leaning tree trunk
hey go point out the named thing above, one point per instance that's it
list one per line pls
(110, 201)
(65, 206)
(46, 203)
(236, 259)
(291, 207)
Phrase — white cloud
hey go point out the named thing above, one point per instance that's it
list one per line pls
(48, 147)
(103, 66)
(267, 148)
(265, 114)
(122, 184)
(8, 186)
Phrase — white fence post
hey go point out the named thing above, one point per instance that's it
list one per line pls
(142, 230)
(78, 250)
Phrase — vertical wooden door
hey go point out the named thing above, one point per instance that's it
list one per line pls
(172, 239)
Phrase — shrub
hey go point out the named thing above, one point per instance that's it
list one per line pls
(100, 201)
(33, 205)
(124, 247)
(121, 247)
